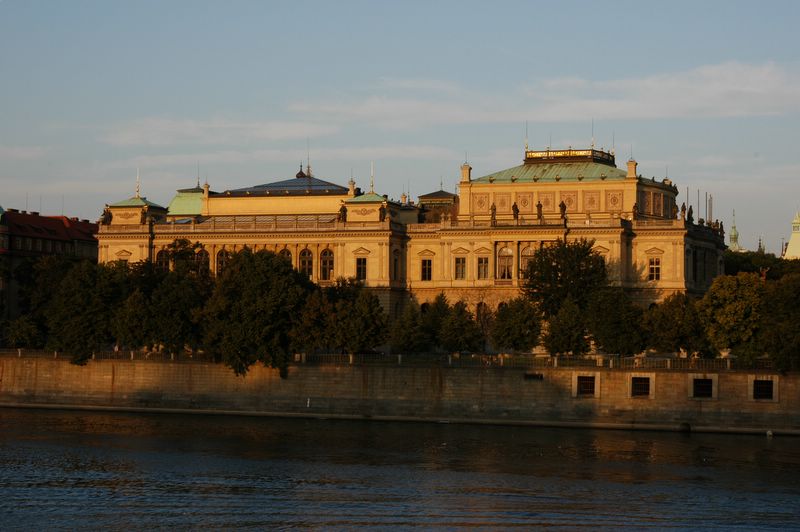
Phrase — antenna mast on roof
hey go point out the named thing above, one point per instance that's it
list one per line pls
(198, 174)
(613, 142)
(138, 182)
(308, 157)
(592, 132)
(372, 177)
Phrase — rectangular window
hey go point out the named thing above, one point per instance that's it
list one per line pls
(640, 386)
(461, 268)
(361, 268)
(703, 388)
(427, 270)
(483, 267)
(762, 389)
(655, 269)
(585, 386)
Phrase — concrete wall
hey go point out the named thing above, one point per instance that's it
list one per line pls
(494, 395)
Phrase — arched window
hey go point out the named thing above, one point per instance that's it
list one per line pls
(307, 262)
(526, 256)
(505, 263)
(162, 260)
(286, 254)
(202, 261)
(222, 260)
(326, 265)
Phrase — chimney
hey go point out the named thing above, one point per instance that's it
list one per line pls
(632, 168)
(466, 171)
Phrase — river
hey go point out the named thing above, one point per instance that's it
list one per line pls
(96, 470)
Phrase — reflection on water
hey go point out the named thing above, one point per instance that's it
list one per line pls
(73, 470)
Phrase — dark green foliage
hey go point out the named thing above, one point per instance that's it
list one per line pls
(566, 270)
(23, 332)
(516, 326)
(251, 311)
(615, 322)
(313, 327)
(132, 325)
(566, 332)
(779, 331)
(176, 309)
(459, 331)
(80, 315)
(433, 315)
(766, 264)
(360, 324)
(674, 324)
(407, 334)
(731, 311)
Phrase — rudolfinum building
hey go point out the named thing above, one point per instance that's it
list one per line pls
(473, 245)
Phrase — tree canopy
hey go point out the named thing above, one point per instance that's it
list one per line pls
(562, 271)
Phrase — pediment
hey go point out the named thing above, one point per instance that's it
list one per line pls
(426, 253)
(361, 251)
(123, 254)
(483, 250)
(460, 251)
(601, 249)
(654, 251)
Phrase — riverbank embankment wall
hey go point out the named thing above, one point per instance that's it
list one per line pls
(724, 400)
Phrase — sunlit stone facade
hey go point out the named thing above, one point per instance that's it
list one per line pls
(477, 248)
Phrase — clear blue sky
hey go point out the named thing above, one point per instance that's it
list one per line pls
(90, 90)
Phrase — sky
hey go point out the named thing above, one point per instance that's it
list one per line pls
(706, 93)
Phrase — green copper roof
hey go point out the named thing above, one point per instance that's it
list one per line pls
(369, 197)
(187, 202)
(547, 172)
(135, 201)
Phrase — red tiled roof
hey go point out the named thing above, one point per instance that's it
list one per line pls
(48, 227)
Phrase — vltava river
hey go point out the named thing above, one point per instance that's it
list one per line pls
(76, 470)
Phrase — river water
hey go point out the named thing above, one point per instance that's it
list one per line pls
(76, 470)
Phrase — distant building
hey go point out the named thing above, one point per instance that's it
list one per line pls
(28, 235)
(793, 247)
(734, 237)
(473, 246)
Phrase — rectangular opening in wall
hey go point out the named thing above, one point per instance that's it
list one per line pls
(361, 268)
(426, 272)
(461, 268)
(585, 386)
(762, 389)
(703, 388)
(640, 386)
(534, 376)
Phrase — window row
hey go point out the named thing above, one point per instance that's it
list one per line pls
(700, 387)
(20, 243)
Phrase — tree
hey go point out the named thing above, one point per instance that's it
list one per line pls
(459, 330)
(730, 310)
(23, 332)
(252, 309)
(615, 322)
(516, 326)
(779, 331)
(433, 315)
(566, 331)
(360, 324)
(133, 325)
(766, 264)
(407, 334)
(674, 324)
(314, 327)
(565, 270)
(176, 306)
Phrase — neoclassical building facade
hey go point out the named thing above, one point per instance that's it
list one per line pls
(475, 248)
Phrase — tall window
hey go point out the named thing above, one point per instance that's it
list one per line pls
(427, 270)
(460, 268)
(483, 267)
(202, 261)
(162, 260)
(326, 265)
(286, 254)
(655, 269)
(222, 261)
(505, 263)
(361, 268)
(307, 262)
(395, 265)
(526, 256)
